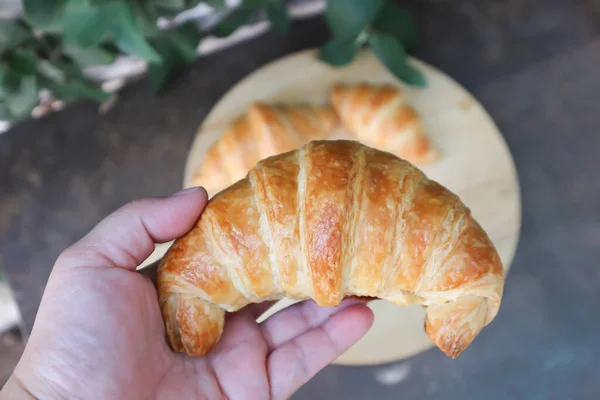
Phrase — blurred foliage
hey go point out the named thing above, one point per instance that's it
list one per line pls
(382, 25)
(57, 39)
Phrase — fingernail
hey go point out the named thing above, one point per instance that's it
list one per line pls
(186, 191)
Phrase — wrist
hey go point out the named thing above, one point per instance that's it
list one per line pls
(15, 390)
(28, 383)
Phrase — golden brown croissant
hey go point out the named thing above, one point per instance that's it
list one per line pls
(265, 130)
(379, 116)
(331, 220)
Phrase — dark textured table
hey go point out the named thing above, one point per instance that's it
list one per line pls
(533, 65)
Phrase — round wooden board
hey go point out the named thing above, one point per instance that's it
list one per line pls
(476, 164)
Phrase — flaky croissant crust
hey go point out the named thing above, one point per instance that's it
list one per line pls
(330, 220)
(264, 130)
(381, 117)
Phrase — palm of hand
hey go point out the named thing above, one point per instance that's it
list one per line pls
(99, 331)
(119, 326)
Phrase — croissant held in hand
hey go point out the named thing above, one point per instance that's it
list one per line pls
(330, 220)
(265, 130)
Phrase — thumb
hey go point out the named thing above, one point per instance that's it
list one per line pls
(127, 237)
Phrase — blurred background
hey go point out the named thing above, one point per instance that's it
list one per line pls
(100, 102)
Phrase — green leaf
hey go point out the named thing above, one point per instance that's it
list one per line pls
(255, 3)
(21, 102)
(217, 4)
(169, 7)
(50, 71)
(132, 42)
(127, 37)
(172, 4)
(10, 80)
(4, 70)
(72, 83)
(82, 88)
(90, 56)
(5, 114)
(86, 26)
(397, 22)
(240, 17)
(12, 34)
(278, 15)
(185, 39)
(178, 46)
(159, 73)
(146, 18)
(69, 67)
(348, 18)
(43, 12)
(75, 89)
(55, 88)
(232, 22)
(24, 62)
(338, 52)
(390, 51)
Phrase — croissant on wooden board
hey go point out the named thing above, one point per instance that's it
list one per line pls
(330, 220)
(379, 116)
(265, 130)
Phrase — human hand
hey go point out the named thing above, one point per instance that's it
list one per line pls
(99, 332)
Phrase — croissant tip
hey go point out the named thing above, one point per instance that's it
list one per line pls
(430, 157)
(238, 122)
(197, 180)
(453, 347)
(257, 105)
(453, 352)
(337, 92)
(451, 341)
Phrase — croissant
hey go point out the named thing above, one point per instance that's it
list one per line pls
(379, 116)
(330, 220)
(265, 130)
